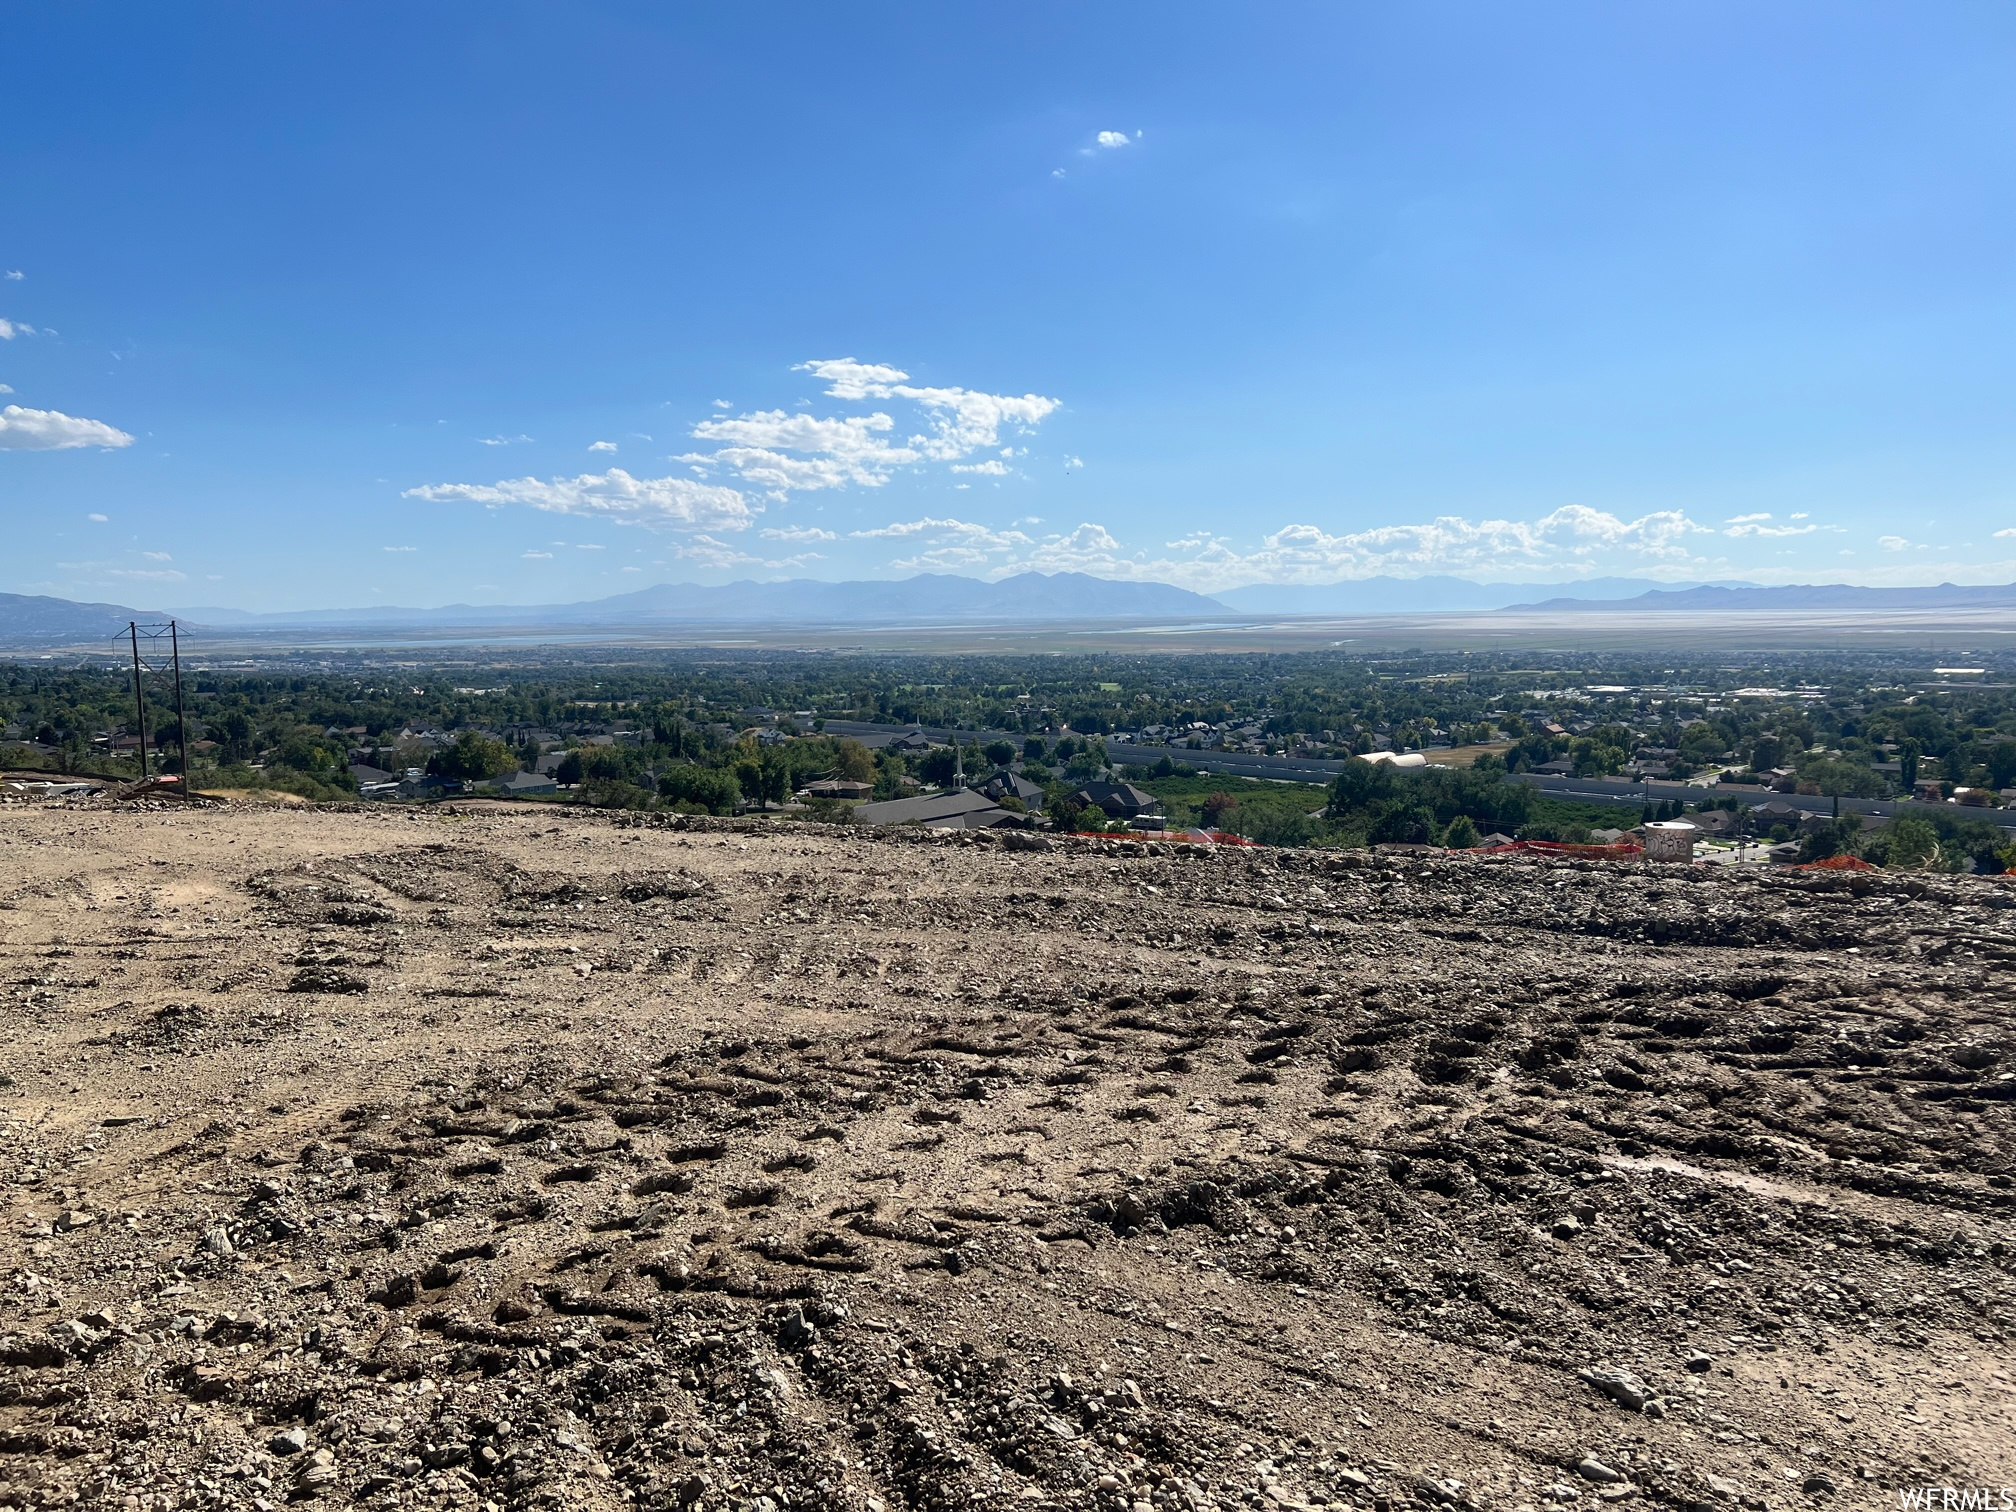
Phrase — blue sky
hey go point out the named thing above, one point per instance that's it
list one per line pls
(358, 303)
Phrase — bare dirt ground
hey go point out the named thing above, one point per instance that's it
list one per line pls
(527, 1159)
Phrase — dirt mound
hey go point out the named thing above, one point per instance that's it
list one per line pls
(498, 1162)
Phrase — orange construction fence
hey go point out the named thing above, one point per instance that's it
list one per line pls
(1837, 863)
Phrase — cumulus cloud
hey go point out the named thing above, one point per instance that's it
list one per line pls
(784, 452)
(963, 420)
(2003, 535)
(51, 430)
(659, 503)
(1113, 139)
(6, 388)
(15, 275)
(796, 533)
(97, 518)
(398, 548)
(502, 440)
(157, 556)
(537, 556)
(9, 329)
(1892, 543)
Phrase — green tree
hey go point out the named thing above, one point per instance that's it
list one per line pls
(999, 752)
(1908, 752)
(854, 762)
(1215, 807)
(698, 789)
(1908, 844)
(2001, 762)
(1461, 834)
(1088, 763)
(475, 757)
(1404, 824)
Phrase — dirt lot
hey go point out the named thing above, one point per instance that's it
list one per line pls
(526, 1159)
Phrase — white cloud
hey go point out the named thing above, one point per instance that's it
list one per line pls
(398, 548)
(993, 467)
(150, 574)
(1112, 139)
(51, 430)
(963, 420)
(98, 518)
(502, 440)
(589, 546)
(796, 533)
(658, 503)
(15, 275)
(786, 453)
(724, 404)
(537, 556)
(1753, 525)
(705, 551)
(783, 452)
(1800, 515)
(9, 329)
(2003, 535)
(602, 446)
(1892, 543)
(1072, 464)
(157, 556)
(953, 544)
(6, 388)
(1574, 540)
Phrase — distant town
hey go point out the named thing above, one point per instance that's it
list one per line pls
(1794, 761)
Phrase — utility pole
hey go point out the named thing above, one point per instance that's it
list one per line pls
(181, 721)
(139, 696)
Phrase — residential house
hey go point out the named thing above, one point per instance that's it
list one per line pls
(520, 784)
(1119, 800)
(1007, 784)
(924, 810)
(841, 788)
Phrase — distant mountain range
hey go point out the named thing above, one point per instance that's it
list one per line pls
(1423, 595)
(30, 618)
(1729, 598)
(928, 596)
(1032, 597)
